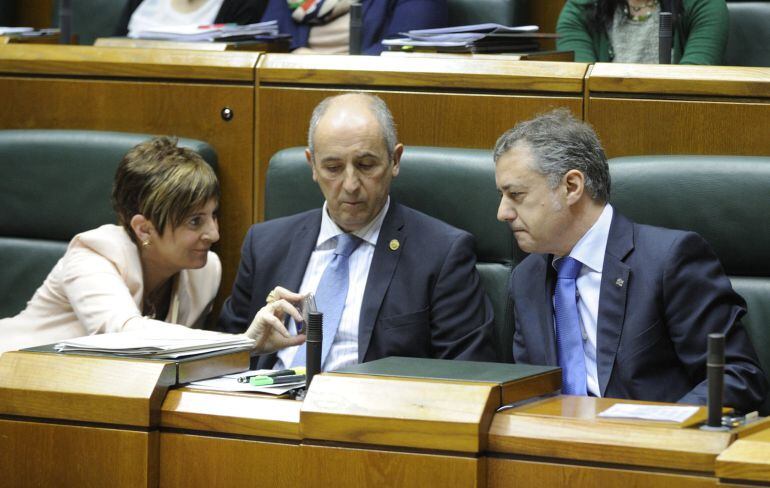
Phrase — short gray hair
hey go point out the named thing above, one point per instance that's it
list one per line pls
(559, 142)
(380, 111)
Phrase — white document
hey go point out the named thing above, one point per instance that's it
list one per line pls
(14, 30)
(159, 343)
(664, 413)
(488, 27)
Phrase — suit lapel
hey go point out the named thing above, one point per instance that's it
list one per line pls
(302, 246)
(612, 297)
(542, 303)
(381, 271)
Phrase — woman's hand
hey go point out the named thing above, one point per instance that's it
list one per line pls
(267, 328)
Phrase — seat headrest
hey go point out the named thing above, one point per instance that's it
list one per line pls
(453, 185)
(726, 199)
(56, 183)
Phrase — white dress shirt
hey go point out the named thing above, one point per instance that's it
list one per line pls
(159, 14)
(344, 349)
(589, 250)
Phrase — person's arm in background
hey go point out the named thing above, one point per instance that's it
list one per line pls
(122, 29)
(706, 23)
(383, 19)
(574, 33)
(240, 11)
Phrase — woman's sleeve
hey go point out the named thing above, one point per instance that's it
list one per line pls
(707, 24)
(99, 295)
(574, 34)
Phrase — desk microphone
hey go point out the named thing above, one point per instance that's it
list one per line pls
(354, 44)
(715, 375)
(313, 343)
(665, 33)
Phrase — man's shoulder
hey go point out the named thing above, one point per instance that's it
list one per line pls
(428, 225)
(287, 223)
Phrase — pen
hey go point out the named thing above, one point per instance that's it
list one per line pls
(278, 380)
(282, 372)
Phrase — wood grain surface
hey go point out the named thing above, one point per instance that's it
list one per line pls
(716, 81)
(357, 468)
(567, 428)
(65, 456)
(748, 459)
(80, 388)
(128, 62)
(193, 461)
(426, 414)
(231, 413)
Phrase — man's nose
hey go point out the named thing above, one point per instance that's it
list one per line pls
(505, 212)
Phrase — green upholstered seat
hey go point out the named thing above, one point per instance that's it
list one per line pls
(92, 19)
(748, 42)
(54, 184)
(505, 12)
(454, 185)
(726, 199)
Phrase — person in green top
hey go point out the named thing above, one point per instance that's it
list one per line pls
(604, 30)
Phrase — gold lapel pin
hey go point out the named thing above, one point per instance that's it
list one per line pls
(619, 282)
(394, 244)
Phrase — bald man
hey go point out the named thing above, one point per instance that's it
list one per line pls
(412, 285)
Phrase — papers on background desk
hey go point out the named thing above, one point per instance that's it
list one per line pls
(229, 382)
(210, 33)
(470, 38)
(660, 413)
(162, 343)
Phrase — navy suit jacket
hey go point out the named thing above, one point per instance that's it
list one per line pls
(423, 299)
(662, 292)
(379, 19)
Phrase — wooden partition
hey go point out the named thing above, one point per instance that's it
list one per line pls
(435, 101)
(151, 91)
(653, 109)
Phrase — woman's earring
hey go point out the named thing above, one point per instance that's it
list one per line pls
(146, 243)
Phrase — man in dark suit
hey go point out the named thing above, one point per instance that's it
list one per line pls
(625, 309)
(412, 287)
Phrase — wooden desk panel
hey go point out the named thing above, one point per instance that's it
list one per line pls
(471, 120)
(43, 454)
(628, 126)
(512, 473)
(182, 109)
(188, 461)
(747, 459)
(342, 467)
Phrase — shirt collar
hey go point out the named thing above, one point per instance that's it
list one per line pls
(369, 233)
(589, 250)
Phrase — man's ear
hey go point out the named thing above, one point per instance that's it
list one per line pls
(574, 182)
(397, 153)
(142, 227)
(309, 157)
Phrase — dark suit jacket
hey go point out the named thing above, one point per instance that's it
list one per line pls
(422, 300)
(652, 326)
(379, 19)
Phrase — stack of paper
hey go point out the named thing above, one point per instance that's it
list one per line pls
(475, 38)
(209, 33)
(162, 343)
(229, 382)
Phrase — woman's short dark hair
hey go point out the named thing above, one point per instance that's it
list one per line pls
(163, 182)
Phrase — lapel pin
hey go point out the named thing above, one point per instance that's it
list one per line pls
(394, 244)
(619, 282)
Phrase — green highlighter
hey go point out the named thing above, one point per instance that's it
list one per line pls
(275, 380)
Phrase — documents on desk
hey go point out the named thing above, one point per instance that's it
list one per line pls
(229, 382)
(660, 413)
(215, 32)
(470, 38)
(158, 343)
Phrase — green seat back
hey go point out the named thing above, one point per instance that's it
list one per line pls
(92, 19)
(748, 42)
(454, 185)
(726, 199)
(53, 185)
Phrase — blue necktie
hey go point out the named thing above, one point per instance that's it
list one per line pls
(569, 339)
(331, 294)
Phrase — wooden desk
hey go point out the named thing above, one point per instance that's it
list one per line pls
(277, 46)
(653, 109)
(435, 101)
(561, 442)
(146, 91)
(746, 460)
